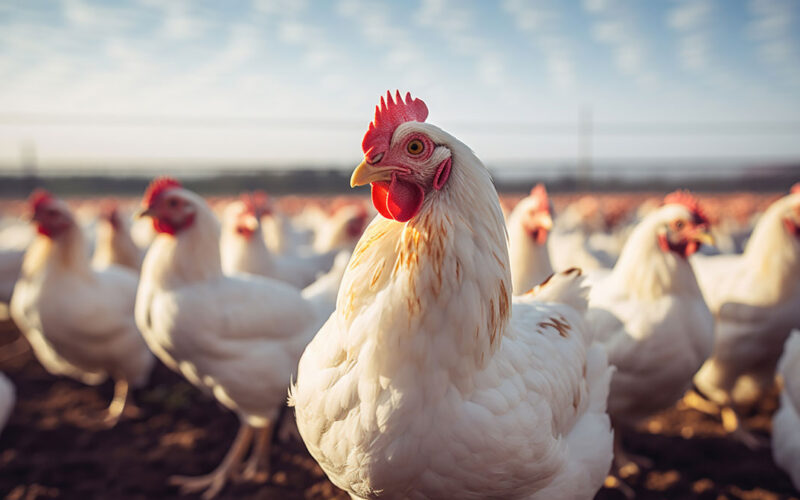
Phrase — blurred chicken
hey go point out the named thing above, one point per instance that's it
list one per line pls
(569, 242)
(236, 337)
(425, 382)
(342, 230)
(113, 243)
(786, 422)
(755, 299)
(528, 226)
(243, 249)
(649, 314)
(7, 399)
(79, 321)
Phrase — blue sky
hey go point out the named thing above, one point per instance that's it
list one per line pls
(295, 81)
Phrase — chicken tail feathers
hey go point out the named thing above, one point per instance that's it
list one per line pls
(565, 287)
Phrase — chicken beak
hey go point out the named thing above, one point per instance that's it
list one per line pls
(251, 222)
(701, 235)
(144, 212)
(366, 174)
(546, 221)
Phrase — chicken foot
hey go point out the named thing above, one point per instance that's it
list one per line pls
(213, 482)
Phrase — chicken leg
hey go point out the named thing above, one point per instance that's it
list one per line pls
(214, 481)
(257, 467)
(117, 405)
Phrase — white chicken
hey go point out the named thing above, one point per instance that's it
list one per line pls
(79, 321)
(7, 399)
(426, 382)
(342, 230)
(755, 299)
(786, 422)
(243, 249)
(650, 316)
(528, 226)
(114, 244)
(236, 337)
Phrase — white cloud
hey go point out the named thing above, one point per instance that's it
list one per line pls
(540, 24)
(456, 24)
(689, 15)
(596, 5)
(771, 28)
(616, 27)
(280, 6)
(690, 20)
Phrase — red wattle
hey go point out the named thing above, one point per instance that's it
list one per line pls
(399, 200)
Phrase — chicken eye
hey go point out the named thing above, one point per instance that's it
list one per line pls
(173, 203)
(678, 225)
(415, 147)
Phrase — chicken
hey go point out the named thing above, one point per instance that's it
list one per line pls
(528, 226)
(114, 244)
(569, 242)
(755, 299)
(426, 382)
(243, 249)
(79, 321)
(343, 229)
(236, 337)
(786, 422)
(650, 316)
(7, 399)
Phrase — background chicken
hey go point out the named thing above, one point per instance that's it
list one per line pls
(528, 226)
(786, 422)
(342, 230)
(113, 243)
(755, 299)
(78, 320)
(425, 382)
(236, 337)
(649, 315)
(243, 249)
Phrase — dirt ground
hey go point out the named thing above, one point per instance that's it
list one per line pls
(44, 453)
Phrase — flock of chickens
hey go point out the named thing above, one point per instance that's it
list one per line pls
(444, 349)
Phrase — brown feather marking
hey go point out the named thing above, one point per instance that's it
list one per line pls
(364, 243)
(559, 324)
(376, 274)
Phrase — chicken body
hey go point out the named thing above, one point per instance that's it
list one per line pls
(114, 244)
(755, 299)
(79, 321)
(427, 383)
(236, 337)
(650, 316)
(528, 226)
(786, 422)
(243, 250)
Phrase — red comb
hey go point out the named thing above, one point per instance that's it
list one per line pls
(390, 114)
(256, 203)
(796, 188)
(158, 186)
(539, 194)
(688, 200)
(39, 197)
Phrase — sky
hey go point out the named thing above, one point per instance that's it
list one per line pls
(102, 83)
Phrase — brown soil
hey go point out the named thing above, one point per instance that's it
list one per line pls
(45, 453)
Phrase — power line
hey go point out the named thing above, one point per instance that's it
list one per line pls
(553, 128)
